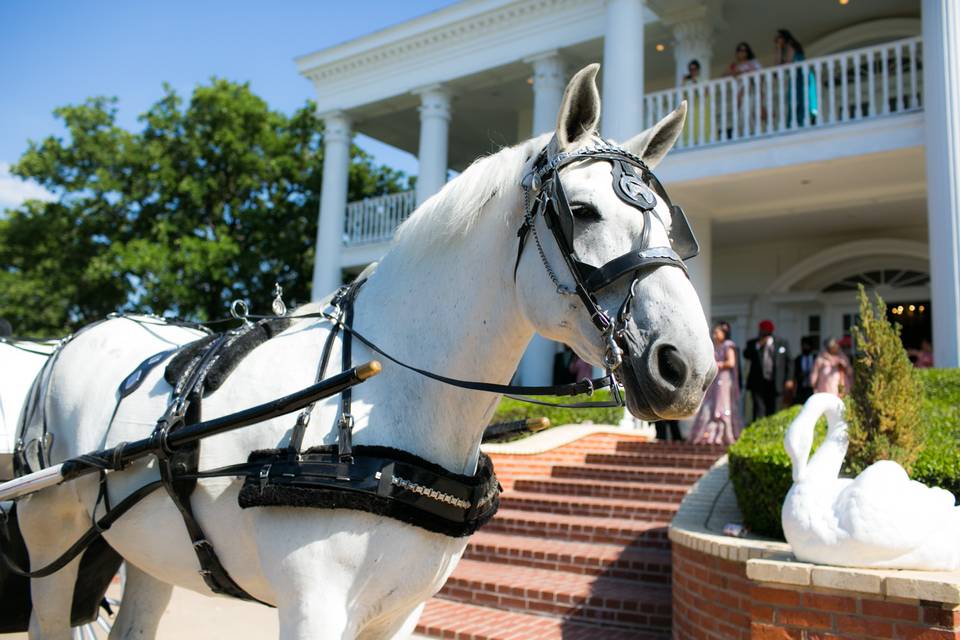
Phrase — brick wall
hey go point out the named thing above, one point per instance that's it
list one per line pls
(714, 600)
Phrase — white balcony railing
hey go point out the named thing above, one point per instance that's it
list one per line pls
(376, 219)
(850, 86)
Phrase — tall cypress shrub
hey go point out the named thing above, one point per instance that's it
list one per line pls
(887, 396)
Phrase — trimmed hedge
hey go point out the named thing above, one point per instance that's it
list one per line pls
(509, 410)
(761, 470)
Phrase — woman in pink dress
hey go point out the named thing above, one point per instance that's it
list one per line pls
(719, 420)
(832, 372)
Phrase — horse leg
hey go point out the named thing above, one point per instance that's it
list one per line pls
(50, 521)
(144, 600)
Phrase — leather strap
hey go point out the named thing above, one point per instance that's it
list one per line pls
(345, 423)
(599, 277)
(176, 465)
(86, 539)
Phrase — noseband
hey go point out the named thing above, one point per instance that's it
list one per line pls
(635, 184)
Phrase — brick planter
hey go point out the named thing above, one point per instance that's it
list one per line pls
(752, 589)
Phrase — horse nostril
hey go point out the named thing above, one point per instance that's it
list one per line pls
(671, 366)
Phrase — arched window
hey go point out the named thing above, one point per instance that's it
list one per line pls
(886, 278)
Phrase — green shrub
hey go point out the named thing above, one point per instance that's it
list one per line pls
(760, 469)
(509, 410)
(887, 397)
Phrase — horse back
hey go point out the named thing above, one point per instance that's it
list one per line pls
(83, 387)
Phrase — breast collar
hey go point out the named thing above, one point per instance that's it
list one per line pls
(635, 184)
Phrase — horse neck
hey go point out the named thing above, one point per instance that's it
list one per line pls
(454, 312)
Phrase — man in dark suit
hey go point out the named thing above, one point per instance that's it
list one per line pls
(802, 368)
(771, 370)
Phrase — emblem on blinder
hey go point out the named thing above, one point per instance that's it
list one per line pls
(634, 189)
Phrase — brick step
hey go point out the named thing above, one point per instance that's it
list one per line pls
(619, 473)
(447, 619)
(614, 560)
(651, 459)
(647, 534)
(630, 446)
(588, 506)
(652, 491)
(598, 599)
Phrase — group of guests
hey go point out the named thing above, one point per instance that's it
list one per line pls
(787, 50)
(772, 377)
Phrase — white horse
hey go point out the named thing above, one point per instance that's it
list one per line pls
(445, 298)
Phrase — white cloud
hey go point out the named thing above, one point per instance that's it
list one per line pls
(13, 190)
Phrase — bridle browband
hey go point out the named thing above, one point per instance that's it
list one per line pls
(635, 184)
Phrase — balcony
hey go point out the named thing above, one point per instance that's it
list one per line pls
(374, 220)
(852, 87)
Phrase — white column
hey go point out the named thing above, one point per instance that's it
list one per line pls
(699, 267)
(434, 133)
(693, 40)
(333, 204)
(549, 81)
(623, 69)
(941, 103)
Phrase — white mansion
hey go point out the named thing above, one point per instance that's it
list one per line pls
(801, 180)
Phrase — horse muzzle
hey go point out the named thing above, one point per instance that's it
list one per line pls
(662, 380)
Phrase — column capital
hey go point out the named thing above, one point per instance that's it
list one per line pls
(549, 70)
(435, 101)
(337, 126)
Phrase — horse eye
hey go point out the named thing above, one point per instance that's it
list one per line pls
(585, 211)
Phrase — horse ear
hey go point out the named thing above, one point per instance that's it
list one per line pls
(654, 143)
(579, 109)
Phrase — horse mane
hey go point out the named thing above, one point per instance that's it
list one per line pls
(453, 212)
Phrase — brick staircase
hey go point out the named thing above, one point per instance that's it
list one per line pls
(579, 548)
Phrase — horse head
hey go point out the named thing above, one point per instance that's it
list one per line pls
(606, 275)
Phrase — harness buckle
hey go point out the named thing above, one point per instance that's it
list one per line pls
(345, 438)
(264, 476)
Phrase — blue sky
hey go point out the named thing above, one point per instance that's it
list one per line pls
(57, 52)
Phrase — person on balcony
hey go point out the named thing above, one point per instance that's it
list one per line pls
(691, 132)
(832, 372)
(744, 62)
(719, 420)
(788, 51)
(771, 370)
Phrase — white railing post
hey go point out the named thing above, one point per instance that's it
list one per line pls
(900, 105)
(914, 102)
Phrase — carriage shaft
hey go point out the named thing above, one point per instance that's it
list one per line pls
(76, 467)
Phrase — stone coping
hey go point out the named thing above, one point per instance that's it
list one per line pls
(554, 437)
(711, 504)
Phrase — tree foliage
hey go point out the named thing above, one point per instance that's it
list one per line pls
(887, 395)
(209, 201)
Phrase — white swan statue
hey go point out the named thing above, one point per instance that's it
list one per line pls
(879, 520)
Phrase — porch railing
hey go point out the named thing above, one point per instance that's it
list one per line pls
(850, 86)
(376, 219)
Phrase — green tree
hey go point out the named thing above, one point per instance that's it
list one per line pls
(208, 202)
(887, 395)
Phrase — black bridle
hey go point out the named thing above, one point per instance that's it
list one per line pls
(635, 184)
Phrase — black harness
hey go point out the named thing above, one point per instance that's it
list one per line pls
(635, 184)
